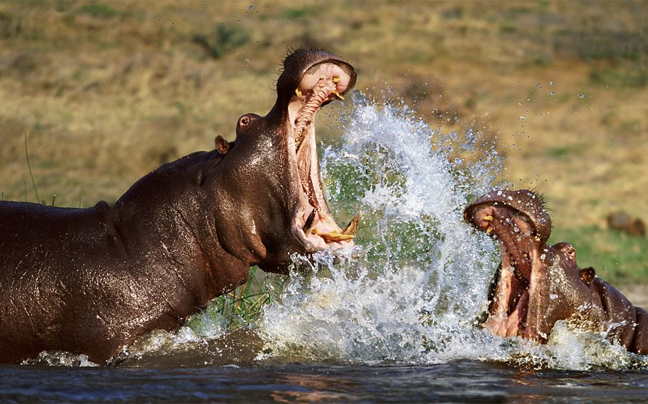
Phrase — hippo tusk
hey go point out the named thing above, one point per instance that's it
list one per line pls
(309, 221)
(347, 234)
(337, 95)
(334, 236)
(352, 227)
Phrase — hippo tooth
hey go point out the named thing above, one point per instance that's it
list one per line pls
(489, 218)
(336, 79)
(489, 230)
(334, 235)
(299, 93)
(352, 227)
(337, 95)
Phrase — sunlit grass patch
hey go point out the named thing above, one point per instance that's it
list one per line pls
(622, 77)
(98, 10)
(296, 13)
(562, 151)
(221, 40)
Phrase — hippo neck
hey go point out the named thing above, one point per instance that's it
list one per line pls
(168, 214)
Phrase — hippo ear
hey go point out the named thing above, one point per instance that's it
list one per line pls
(587, 275)
(222, 145)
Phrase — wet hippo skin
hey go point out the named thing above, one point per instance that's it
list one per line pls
(538, 285)
(91, 281)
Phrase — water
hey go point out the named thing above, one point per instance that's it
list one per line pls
(393, 320)
(453, 382)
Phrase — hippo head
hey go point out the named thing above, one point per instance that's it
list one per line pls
(536, 284)
(267, 191)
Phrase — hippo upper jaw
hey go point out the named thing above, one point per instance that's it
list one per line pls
(517, 220)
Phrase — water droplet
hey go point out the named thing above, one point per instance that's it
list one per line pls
(553, 296)
(581, 96)
(250, 8)
(522, 118)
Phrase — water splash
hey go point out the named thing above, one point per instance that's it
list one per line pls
(415, 288)
(420, 281)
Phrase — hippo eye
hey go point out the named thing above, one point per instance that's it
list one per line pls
(244, 121)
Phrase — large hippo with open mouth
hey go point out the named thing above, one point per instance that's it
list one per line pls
(538, 285)
(91, 281)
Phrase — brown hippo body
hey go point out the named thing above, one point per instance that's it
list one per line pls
(90, 281)
(538, 285)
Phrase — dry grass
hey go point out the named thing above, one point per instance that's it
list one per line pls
(107, 90)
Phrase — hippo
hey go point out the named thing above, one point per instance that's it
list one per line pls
(91, 281)
(537, 285)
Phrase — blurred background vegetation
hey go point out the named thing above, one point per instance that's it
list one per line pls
(105, 91)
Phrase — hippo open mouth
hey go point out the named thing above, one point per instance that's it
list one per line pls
(322, 82)
(538, 285)
(520, 224)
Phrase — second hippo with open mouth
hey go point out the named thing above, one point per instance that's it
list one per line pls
(538, 285)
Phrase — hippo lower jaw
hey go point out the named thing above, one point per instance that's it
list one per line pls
(313, 224)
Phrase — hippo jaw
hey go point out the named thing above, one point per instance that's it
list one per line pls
(324, 81)
(520, 224)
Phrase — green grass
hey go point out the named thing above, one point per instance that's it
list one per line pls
(617, 257)
(31, 173)
(561, 151)
(296, 13)
(98, 10)
(244, 305)
(627, 77)
(221, 40)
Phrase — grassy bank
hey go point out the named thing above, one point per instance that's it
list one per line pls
(109, 90)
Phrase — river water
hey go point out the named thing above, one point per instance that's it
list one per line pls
(453, 382)
(393, 320)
